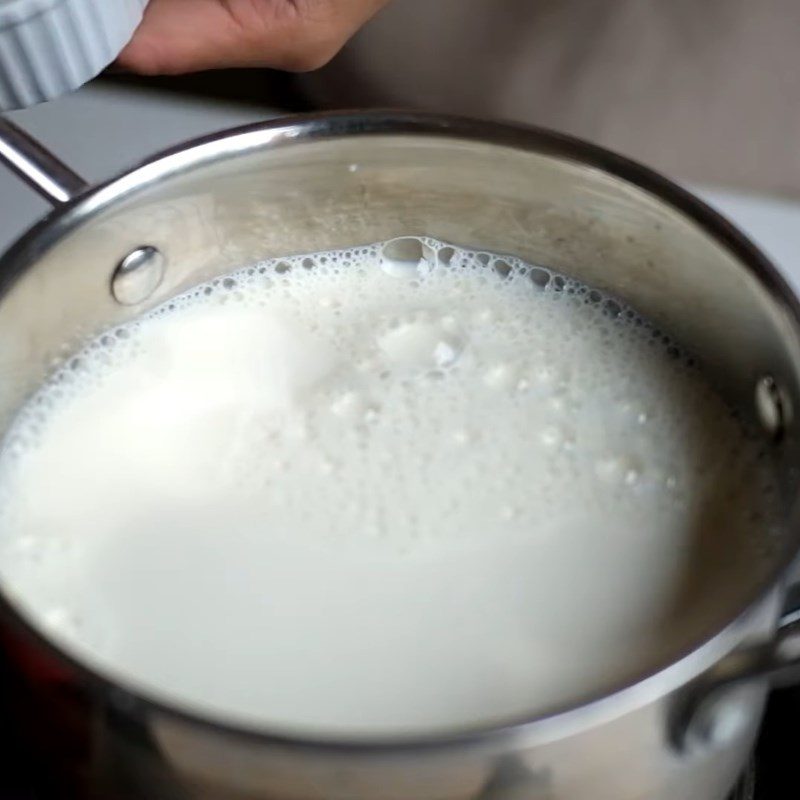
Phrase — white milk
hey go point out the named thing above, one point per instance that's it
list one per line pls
(368, 493)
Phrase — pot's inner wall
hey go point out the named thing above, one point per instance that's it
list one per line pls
(209, 218)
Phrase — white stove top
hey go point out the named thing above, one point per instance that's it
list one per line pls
(99, 131)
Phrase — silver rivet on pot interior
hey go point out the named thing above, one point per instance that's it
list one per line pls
(772, 406)
(718, 720)
(138, 275)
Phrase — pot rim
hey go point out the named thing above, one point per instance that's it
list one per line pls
(289, 131)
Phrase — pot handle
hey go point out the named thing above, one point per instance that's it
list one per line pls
(718, 706)
(38, 167)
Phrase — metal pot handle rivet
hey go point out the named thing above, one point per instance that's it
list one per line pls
(717, 708)
(773, 407)
(513, 779)
(138, 275)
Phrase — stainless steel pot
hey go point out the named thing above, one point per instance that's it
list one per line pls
(108, 253)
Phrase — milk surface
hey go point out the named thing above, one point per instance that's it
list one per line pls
(398, 489)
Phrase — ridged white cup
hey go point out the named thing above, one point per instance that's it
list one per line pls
(51, 47)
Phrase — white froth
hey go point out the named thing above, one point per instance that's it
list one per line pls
(404, 487)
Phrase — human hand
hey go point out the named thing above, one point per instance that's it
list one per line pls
(297, 35)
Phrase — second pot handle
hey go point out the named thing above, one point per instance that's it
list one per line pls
(712, 712)
(37, 166)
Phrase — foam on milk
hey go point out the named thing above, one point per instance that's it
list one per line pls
(398, 488)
